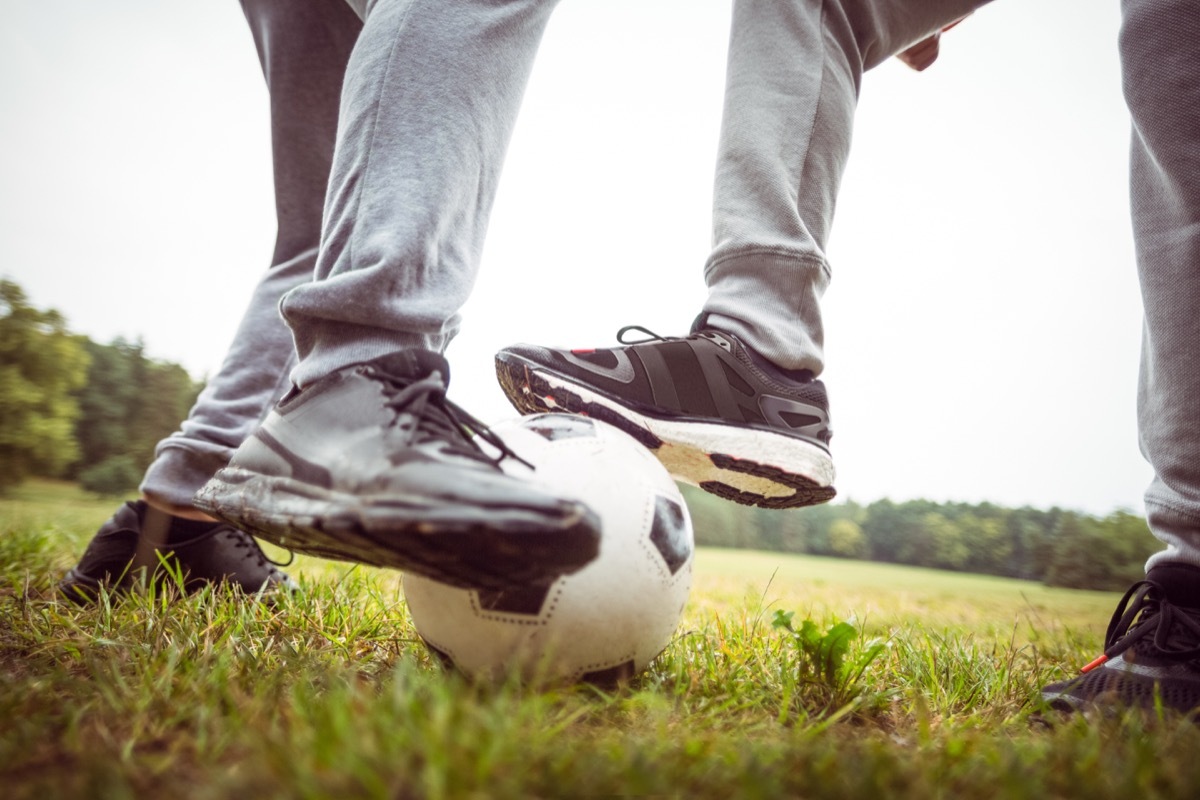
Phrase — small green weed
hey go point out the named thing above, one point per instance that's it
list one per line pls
(827, 664)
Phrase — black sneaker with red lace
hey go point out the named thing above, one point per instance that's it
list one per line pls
(717, 415)
(1151, 651)
(138, 540)
(373, 464)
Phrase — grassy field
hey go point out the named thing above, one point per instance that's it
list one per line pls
(331, 694)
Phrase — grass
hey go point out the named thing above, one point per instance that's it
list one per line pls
(762, 694)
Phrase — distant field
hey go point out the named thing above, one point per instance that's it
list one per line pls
(332, 694)
(887, 595)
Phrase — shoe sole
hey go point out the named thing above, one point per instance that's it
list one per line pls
(456, 544)
(80, 588)
(750, 466)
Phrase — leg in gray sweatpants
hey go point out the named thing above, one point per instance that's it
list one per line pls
(1160, 58)
(303, 47)
(432, 92)
(431, 95)
(792, 86)
(792, 82)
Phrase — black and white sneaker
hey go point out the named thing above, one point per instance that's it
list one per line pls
(717, 415)
(373, 464)
(1151, 651)
(138, 540)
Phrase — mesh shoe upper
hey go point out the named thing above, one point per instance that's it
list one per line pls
(386, 430)
(714, 413)
(374, 464)
(1152, 648)
(203, 552)
(707, 376)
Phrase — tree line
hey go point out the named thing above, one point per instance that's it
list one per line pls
(73, 408)
(77, 409)
(1057, 547)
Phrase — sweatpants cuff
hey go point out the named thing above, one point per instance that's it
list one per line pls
(770, 300)
(180, 470)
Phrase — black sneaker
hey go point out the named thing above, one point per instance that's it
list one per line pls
(204, 552)
(717, 415)
(373, 464)
(1151, 651)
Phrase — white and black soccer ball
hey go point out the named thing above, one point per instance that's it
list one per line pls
(604, 623)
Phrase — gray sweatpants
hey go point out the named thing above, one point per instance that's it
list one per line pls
(1160, 58)
(303, 47)
(430, 94)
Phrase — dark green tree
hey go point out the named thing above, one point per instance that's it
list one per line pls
(986, 541)
(717, 522)
(167, 393)
(41, 366)
(819, 523)
(112, 476)
(104, 404)
(897, 533)
(943, 543)
(1108, 553)
(846, 539)
(128, 404)
(1031, 532)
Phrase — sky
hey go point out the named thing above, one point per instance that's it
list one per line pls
(983, 322)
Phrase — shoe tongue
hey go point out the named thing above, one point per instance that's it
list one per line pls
(1180, 582)
(413, 364)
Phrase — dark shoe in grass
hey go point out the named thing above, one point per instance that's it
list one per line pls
(373, 464)
(1151, 652)
(139, 537)
(716, 414)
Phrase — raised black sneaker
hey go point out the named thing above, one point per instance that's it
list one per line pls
(138, 539)
(717, 415)
(374, 464)
(1151, 651)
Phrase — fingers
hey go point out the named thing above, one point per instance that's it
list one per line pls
(922, 54)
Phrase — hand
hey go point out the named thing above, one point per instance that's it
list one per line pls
(922, 54)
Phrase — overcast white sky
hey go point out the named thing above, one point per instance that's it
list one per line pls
(982, 326)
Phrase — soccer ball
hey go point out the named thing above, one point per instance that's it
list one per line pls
(602, 624)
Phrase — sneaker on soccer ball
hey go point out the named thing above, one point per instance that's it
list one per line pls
(716, 414)
(204, 552)
(1151, 651)
(374, 464)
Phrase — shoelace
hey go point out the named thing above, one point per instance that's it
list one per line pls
(439, 420)
(651, 336)
(1144, 615)
(245, 540)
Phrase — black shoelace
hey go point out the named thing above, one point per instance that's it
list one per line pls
(1146, 618)
(650, 335)
(437, 419)
(243, 540)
